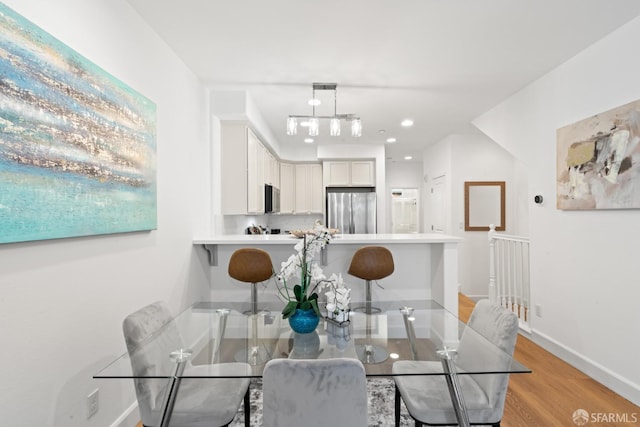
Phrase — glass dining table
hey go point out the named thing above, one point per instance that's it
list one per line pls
(216, 333)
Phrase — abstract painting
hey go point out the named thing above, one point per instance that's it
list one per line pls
(77, 145)
(598, 161)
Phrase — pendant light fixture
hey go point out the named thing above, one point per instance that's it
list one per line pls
(334, 120)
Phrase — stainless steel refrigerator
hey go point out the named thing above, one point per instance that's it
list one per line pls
(352, 210)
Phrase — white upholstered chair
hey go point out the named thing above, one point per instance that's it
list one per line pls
(314, 393)
(427, 397)
(200, 402)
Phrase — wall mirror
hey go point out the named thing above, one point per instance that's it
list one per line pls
(484, 205)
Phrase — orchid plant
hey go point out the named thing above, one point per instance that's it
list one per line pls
(311, 279)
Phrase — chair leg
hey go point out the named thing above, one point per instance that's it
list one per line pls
(247, 409)
(397, 406)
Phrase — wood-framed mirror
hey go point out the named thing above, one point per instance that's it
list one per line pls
(484, 204)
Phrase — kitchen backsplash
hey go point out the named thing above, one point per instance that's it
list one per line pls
(237, 224)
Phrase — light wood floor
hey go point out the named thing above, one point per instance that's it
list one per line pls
(549, 396)
(555, 389)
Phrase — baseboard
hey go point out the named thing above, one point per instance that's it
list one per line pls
(603, 375)
(129, 418)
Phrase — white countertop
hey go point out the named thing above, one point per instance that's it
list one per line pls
(286, 239)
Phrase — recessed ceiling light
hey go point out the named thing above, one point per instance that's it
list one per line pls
(408, 157)
(407, 123)
(305, 124)
(314, 101)
(308, 140)
(391, 140)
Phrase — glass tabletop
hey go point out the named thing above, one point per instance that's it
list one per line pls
(219, 341)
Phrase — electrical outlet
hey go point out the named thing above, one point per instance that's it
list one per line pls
(92, 403)
(538, 310)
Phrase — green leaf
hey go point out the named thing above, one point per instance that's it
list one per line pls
(297, 290)
(305, 305)
(289, 309)
(314, 304)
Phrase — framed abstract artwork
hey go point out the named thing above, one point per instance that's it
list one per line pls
(77, 145)
(598, 161)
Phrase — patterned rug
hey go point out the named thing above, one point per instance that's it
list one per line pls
(380, 394)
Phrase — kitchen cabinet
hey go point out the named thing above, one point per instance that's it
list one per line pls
(245, 167)
(256, 154)
(308, 189)
(287, 188)
(353, 173)
(301, 190)
(271, 169)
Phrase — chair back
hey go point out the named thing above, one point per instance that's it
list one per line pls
(499, 326)
(371, 263)
(150, 337)
(250, 265)
(314, 393)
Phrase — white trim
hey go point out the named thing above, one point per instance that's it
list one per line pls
(129, 418)
(598, 372)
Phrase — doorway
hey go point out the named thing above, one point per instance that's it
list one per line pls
(404, 210)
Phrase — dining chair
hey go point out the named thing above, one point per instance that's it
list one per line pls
(371, 263)
(314, 393)
(151, 337)
(251, 265)
(488, 340)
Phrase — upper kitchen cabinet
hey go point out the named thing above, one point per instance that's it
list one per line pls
(354, 173)
(246, 166)
(308, 188)
(301, 188)
(287, 188)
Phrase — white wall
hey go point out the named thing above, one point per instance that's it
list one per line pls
(584, 266)
(62, 302)
(473, 158)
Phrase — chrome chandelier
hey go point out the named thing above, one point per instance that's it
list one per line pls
(313, 121)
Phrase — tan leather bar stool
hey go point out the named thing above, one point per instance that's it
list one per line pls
(371, 263)
(251, 265)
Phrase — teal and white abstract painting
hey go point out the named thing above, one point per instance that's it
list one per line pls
(77, 145)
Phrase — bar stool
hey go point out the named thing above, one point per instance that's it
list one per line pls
(371, 263)
(251, 265)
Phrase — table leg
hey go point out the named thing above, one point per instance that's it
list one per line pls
(180, 357)
(454, 387)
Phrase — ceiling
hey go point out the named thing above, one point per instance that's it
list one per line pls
(439, 62)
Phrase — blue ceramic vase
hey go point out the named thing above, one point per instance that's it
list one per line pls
(304, 321)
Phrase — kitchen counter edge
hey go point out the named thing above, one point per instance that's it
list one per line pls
(284, 239)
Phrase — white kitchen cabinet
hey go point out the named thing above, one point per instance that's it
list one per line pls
(308, 188)
(287, 188)
(271, 169)
(256, 154)
(354, 173)
(242, 170)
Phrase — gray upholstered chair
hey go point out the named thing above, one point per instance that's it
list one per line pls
(151, 337)
(427, 397)
(314, 393)
(251, 265)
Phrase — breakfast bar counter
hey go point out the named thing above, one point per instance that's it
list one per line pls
(426, 264)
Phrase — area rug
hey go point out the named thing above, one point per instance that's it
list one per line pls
(380, 394)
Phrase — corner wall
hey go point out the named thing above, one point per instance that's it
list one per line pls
(62, 302)
(584, 266)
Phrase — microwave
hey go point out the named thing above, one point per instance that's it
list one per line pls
(271, 199)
